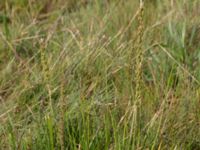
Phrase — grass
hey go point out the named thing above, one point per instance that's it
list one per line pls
(99, 74)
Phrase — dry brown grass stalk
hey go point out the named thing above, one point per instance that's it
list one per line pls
(140, 55)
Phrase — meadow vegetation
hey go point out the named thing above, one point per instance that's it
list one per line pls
(99, 74)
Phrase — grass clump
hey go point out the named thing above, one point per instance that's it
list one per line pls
(99, 74)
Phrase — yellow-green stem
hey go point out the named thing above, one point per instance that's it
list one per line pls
(140, 55)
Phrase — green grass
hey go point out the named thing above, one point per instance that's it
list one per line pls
(68, 75)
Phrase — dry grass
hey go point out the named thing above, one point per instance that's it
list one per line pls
(132, 75)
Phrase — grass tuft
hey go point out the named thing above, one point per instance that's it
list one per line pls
(99, 74)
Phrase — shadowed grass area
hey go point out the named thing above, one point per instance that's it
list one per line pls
(97, 74)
